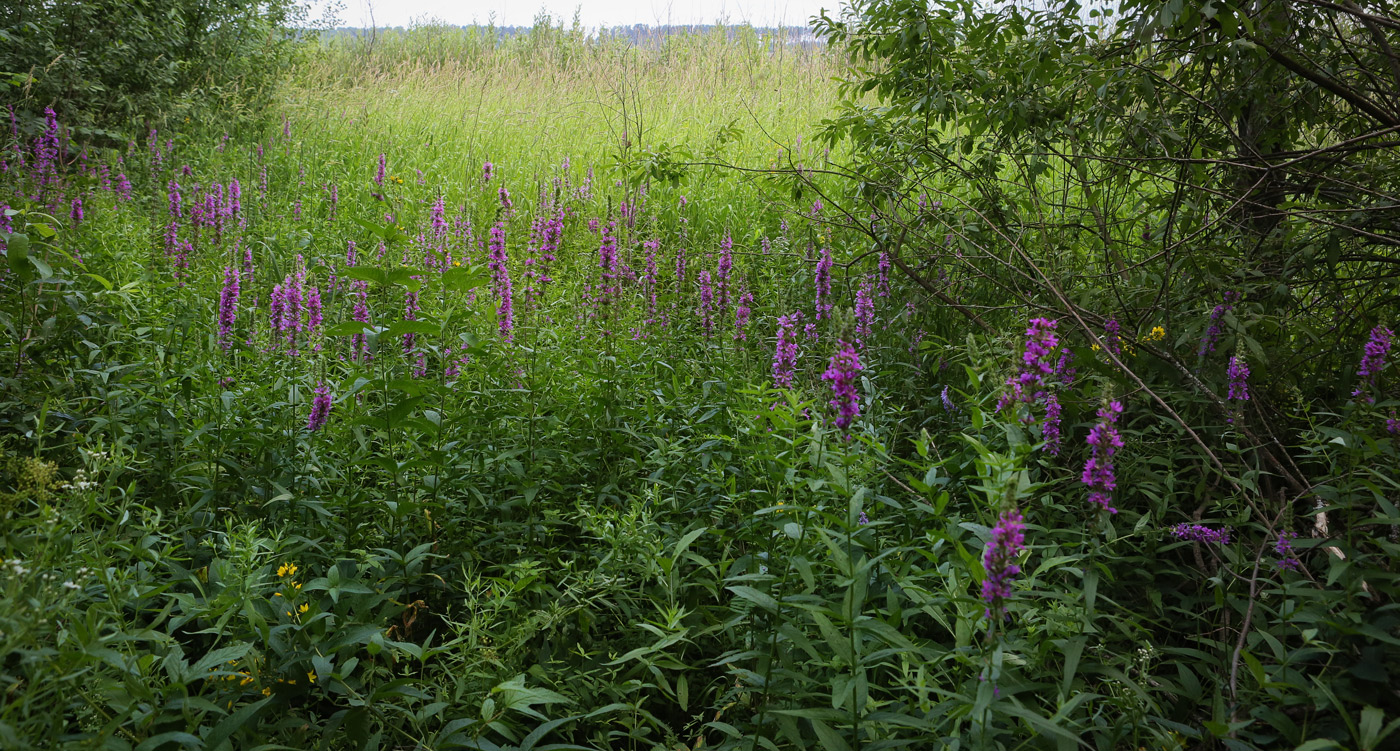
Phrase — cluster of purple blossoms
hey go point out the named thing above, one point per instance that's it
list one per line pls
(500, 282)
(1008, 539)
(1373, 361)
(841, 373)
(1104, 441)
(722, 270)
(333, 194)
(742, 312)
(504, 195)
(320, 407)
(379, 174)
(75, 210)
(785, 354)
(608, 287)
(1238, 372)
(948, 405)
(486, 172)
(1050, 432)
(1113, 336)
(228, 307)
(1216, 328)
(1200, 533)
(1035, 364)
(864, 312)
(1283, 548)
(823, 283)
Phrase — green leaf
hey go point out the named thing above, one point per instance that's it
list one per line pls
(243, 717)
(756, 597)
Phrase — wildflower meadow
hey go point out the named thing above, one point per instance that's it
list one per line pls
(943, 376)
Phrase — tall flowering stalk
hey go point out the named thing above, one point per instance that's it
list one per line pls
(320, 407)
(1238, 373)
(786, 351)
(1035, 364)
(1216, 328)
(707, 303)
(1050, 431)
(1104, 441)
(500, 282)
(841, 373)
(379, 173)
(228, 307)
(1373, 361)
(1201, 533)
(864, 313)
(1113, 336)
(742, 313)
(1008, 539)
(822, 283)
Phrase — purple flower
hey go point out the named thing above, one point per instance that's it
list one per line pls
(1199, 533)
(741, 315)
(841, 373)
(486, 172)
(75, 210)
(1051, 429)
(823, 283)
(1215, 329)
(785, 354)
(1283, 548)
(320, 407)
(1035, 364)
(505, 198)
(500, 282)
(379, 174)
(1238, 373)
(1104, 441)
(882, 286)
(1113, 336)
(1008, 539)
(173, 194)
(864, 312)
(947, 400)
(1373, 360)
(228, 307)
(862, 520)
(608, 288)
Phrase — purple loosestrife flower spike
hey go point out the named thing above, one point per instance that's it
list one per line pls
(500, 278)
(320, 407)
(379, 174)
(1008, 538)
(741, 315)
(1238, 373)
(1373, 361)
(841, 373)
(1199, 533)
(1283, 548)
(785, 354)
(1104, 441)
(1035, 364)
(75, 211)
(822, 282)
(228, 307)
(1113, 336)
(486, 172)
(1051, 430)
(864, 313)
(1216, 328)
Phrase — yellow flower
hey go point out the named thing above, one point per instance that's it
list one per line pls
(304, 607)
(1157, 334)
(456, 263)
(267, 691)
(287, 569)
(310, 676)
(1094, 346)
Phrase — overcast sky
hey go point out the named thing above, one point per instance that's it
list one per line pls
(593, 13)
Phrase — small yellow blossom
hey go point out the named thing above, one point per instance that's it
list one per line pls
(267, 691)
(287, 569)
(1157, 334)
(310, 676)
(304, 607)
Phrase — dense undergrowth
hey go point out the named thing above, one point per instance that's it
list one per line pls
(425, 420)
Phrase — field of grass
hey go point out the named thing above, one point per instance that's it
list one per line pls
(474, 404)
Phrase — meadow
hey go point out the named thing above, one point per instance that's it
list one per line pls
(552, 392)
